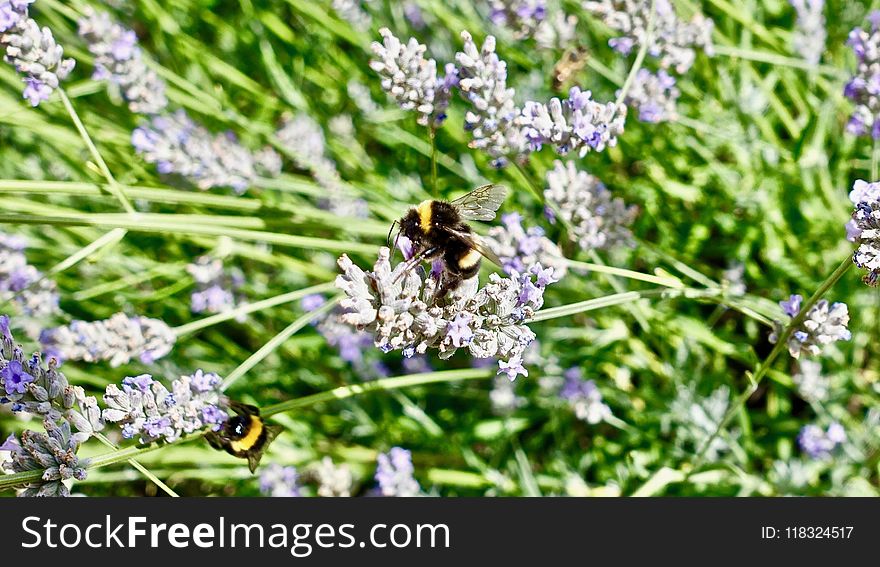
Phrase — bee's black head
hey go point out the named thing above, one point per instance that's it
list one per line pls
(237, 426)
(410, 226)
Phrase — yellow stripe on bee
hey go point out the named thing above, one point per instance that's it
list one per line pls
(469, 259)
(253, 434)
(424, 210)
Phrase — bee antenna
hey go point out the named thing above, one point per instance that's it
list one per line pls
(388, 240)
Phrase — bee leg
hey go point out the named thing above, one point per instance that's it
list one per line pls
(414, 261)
(448, 282)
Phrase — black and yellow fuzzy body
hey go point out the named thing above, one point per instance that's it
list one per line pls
(437, 230)
(244, 435)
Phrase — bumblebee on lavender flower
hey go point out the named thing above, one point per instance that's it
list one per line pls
(245, 435)
(438, 231)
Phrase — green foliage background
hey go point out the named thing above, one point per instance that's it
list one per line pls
(756, 172)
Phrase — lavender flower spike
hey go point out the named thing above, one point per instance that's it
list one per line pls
(53, 452)
(673, 40)
(861, 88)
(279, 481)
(32, 51)
(215, 286)
(576, 123)
(146, 409)
(809, 36)
(823, 325)
(866, 221)
(394, 474)
(494, 119)
(118, 339)
(520, 249)
(597, 219)
(411, 79)
(400, 310)
(37, 296)
(119, 60)
(654, 96)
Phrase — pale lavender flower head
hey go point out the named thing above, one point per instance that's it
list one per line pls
(494, 119)
(522, 16)
(119, 60)
(279, 481)
(866, 233)
(413, 15)
(576, 123)
(654, 96)
(146, 409)
(216, 286)
(311, 302)
(118, 340)
(820, 444)
(32, 51)
(862, 88)
(811, 384)
(394, 474)
(503, 396)
(519, 248)
(824, 324)
(180, 146)
(352, 11)
(411, 79)
(30, 387)
(673, 40)
(597, 220)
(22, 283)
(401, 311)
(333, 480)
(809, 36)
(584, 397)
(53, 452)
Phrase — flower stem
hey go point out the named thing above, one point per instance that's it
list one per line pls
(640, 58)
(432, 133)
(383, 384)
(277, 341)
(141, 468)
(763, 367)
(622, 272)
(115, 188)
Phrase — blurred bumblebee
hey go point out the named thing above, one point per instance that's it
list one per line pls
(573, 60)
(244, 435)
(438, 230)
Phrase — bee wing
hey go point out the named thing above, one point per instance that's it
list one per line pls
(481, 203)
(477, 243)
(254, 456)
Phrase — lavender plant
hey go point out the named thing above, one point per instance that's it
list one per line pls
(823, 324)
(26, 285)
(119, 339)
(32, 51)
(394, 474)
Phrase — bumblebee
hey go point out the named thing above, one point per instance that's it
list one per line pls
(245, 435)
(573, 60)
(438, 230)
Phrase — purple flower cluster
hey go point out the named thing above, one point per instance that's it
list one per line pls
(119, 60)
(824, 324)
(522, 16)
(673, 40)
(864, 229)
(28, 386)
(864, 87)
(32, 51)
(37, 296)
(178, 145)
(146, 409)
(401, 311)
(118, 339)
(279, 481)
(654, 96)
(810, 33)
(818, 443)
(596, 219)
(576, 123)
(394, 474)
(215, 286)
(53, 452)
(584, 397)
(411, 79)
(519, 248)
